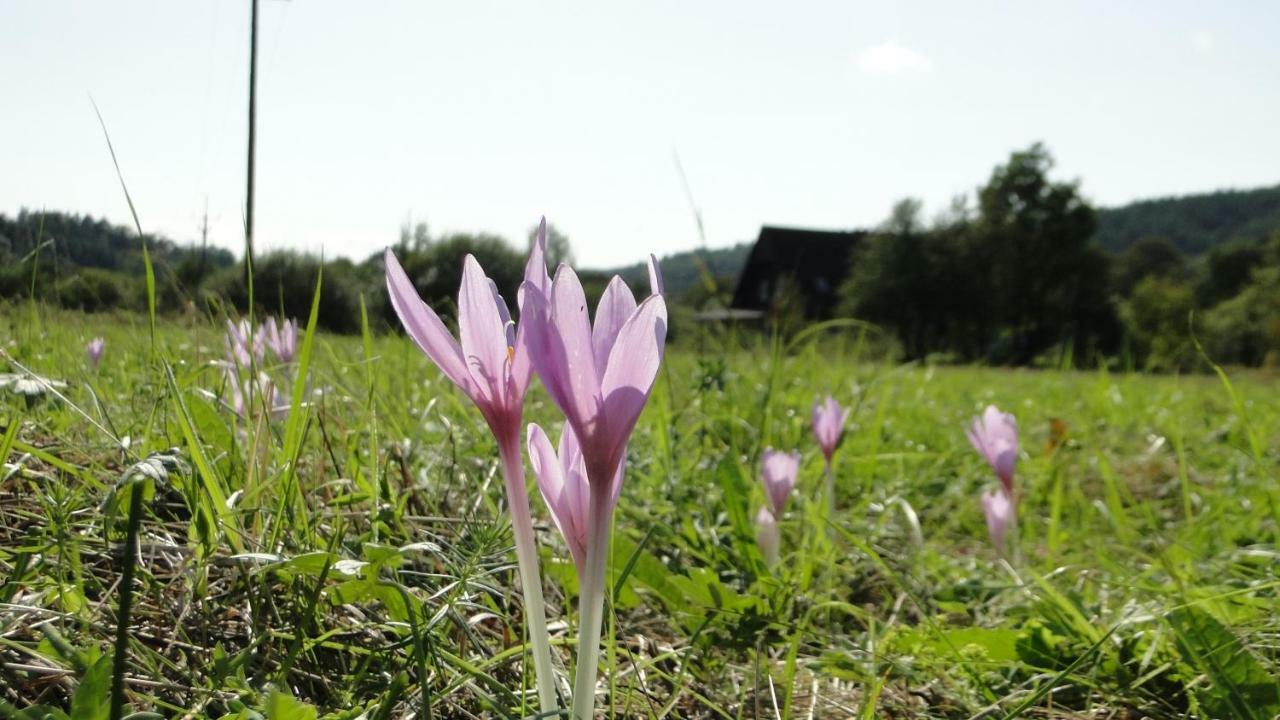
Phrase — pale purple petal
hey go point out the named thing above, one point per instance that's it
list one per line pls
(768, 535)
(577, 490)
(535, 268)
(995, 437)
(94, 351)
(778, 473)
(238, 343)
(998, 509)
(630, 374)
(483, 333)
(560, 488)
(560, 348)
(617, 304)
(535, 275)
(424, 326)
(656, 286)
(828, 425)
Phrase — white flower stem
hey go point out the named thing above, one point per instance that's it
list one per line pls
(1014, 538)
(530, 580)
(591, 607)
(829, 479)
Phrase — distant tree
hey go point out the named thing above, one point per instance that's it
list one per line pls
(958, 212)
(1048, 279)
(1148, 257)
(905, 217)
(284, 285)
(415, 235)
(1157, 322)
(1245, 328)
(899, 279)
(436, 268)
(1228, 269)
(558, 248)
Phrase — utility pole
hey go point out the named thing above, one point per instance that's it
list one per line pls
(253, 108)
(204, 241)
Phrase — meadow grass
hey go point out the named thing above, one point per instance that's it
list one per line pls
(354, 559)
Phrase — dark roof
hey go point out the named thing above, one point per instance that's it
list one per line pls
(817, 260)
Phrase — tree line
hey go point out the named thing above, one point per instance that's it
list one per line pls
(77, 262)
(1019, 277)
(1017, 273)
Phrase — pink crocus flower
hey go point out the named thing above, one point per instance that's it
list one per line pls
(94, 351)
(249, 397)
(828, 425)
(995, 437)
(243, 345)
(492, 366)
(281, 338)
(768, 536)
(998, 509)
(562, 479)
(778, 472)
(600, 377)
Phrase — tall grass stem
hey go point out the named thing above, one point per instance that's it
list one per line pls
(125, 605)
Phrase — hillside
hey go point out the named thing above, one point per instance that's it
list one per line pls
(1194, 223)
(680, 271)
(76, 241)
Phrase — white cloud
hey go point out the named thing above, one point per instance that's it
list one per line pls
(1201, 40)
(891, 58)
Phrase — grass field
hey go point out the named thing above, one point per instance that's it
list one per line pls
(353, 559)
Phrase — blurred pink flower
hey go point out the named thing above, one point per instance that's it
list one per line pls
(998, 509)
(250, 396)
(828, 425)
(995, 437)
(778, 472)
(243, 345)
(768, 535)
(282, 339)
(94, 351)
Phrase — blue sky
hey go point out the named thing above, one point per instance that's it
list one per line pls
(484, 116)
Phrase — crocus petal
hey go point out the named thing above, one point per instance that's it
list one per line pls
(535, 268)
(424, 326)
(1005, 460)
(768, 535)
(560, 348)
(483, 333)
(577, 491)
(998, 510)
(630, 374)
(828, 424)
(552, 483)
(656, 286)
(995, 436)
(778, 473)
(535, 275)
(94, 351)
(617, 304)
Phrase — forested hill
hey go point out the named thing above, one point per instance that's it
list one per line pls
(1194, 223)
(681, 271)
(80, 241)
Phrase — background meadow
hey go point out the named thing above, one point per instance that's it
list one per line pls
(354, 558)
